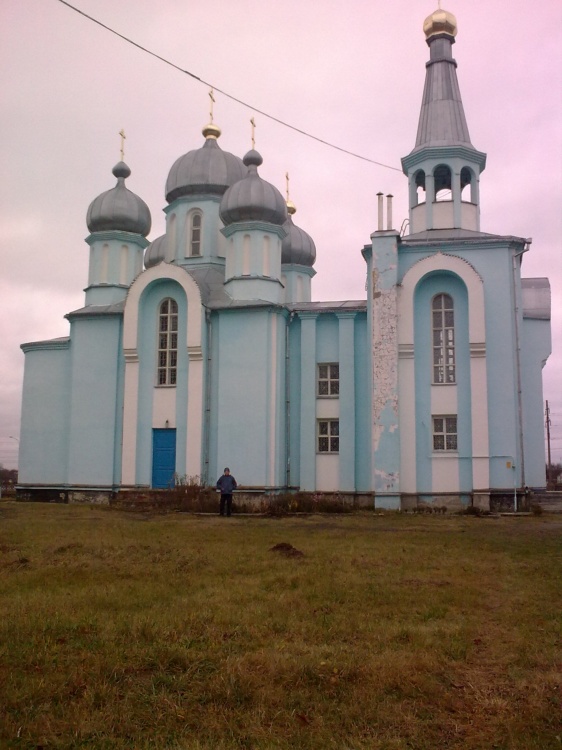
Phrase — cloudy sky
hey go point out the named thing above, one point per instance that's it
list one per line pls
(351, 73)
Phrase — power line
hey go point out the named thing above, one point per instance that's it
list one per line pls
(225, 93)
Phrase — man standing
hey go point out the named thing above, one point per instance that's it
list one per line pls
(226, 484)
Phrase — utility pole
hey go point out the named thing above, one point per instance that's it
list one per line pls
(547, 422)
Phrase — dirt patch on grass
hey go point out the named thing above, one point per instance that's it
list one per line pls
(287, 550)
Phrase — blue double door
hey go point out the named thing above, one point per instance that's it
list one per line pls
(163, 457)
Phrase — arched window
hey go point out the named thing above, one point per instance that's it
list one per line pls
(443, 323)
(467, 178)
(195, 234)
(420, 186)
(442, 182)
(168, 342)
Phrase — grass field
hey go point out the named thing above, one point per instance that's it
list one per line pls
(190, 632)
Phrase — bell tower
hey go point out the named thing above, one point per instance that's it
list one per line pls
(444, 168)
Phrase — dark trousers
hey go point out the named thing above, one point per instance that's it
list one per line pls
(226, 500)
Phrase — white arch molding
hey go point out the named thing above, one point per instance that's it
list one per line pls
(193, 343)
(438, 263)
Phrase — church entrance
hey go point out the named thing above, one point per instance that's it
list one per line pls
(163, 457)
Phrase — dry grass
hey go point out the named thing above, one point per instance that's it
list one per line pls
(189, 632)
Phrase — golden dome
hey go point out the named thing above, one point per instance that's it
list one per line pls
(211, 131)
(440, 22)
(291, 208)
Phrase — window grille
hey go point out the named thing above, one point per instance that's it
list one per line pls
(328, 380)
(168, 342)
(445, 433)
(195, 241)
(328, 435)
(443, 322)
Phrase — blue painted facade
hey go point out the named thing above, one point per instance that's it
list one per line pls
(204, 349)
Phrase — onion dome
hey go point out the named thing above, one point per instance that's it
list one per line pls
(440, 22)
(253, 199)
(156, 252)
(298, 247)
(208, 169)
(119, 209)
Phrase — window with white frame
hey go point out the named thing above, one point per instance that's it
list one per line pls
(167, 342)
(328, 380)
(328, 434)
(445, 433)
(195, 234)
(443, 323)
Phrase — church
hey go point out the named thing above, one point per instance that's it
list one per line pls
(203, 348)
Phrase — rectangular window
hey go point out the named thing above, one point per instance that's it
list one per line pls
(445, 433)
(328, 434)
(328, 380)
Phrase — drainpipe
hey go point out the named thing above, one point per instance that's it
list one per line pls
(518, 362)
(207, 428)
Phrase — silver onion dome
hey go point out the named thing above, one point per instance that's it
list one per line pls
(298, 246)
(119, 208)
(208, 169)
(156, 252)
(253, 199)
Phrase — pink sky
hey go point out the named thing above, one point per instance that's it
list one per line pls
(351, 73)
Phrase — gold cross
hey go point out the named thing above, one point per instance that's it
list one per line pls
(253, 132)
(439, 4)
(123, 136)
(212, 98)
(287, 183)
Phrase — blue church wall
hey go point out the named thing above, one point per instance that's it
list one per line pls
(347, 429)
(119, 402)
(45, 415)
(211, 466)
(327, 349)
(149, 307)
(294, 374)
(95, 357)
(427, 288)
(502, 370)
(362, 405)
(536, 348)
(307, 381)
(249, 404)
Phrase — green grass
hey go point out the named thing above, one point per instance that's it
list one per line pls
(188, 632)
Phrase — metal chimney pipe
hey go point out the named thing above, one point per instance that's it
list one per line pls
(389, 198)
(380, 197)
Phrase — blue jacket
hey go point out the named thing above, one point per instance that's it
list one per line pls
(226, 484)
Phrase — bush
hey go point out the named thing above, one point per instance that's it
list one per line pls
(305, 502)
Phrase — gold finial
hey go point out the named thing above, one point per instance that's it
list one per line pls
(439, 4)
(253, 122)
(287, 185)
(440, 22)
(123, 136)
(212, 98)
